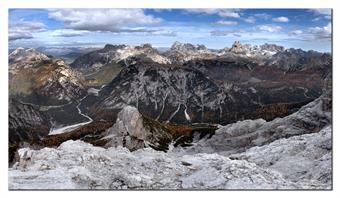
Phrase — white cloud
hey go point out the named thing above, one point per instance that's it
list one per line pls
(237, 33)
(281, 19)
(68, 33)
(269, 28)
(107, 20)
(232, 13)
(24, 29)
(226, 23)
(229, 13)
(325, 12)
(263, 16)
(321, 32)
(250, 19)
(322, 11)
(296, 32)
(165, 33)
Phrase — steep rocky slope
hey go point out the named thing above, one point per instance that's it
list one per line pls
(26, 125)
(43, 80)
(193, 95)
(172, 94)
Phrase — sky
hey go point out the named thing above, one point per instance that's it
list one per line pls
(308, 29)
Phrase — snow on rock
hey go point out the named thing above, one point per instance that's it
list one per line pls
(93, 91)
(25, 58)
(79, 165)
(179, 53)
(146, 49)
(116, 53)
(299, 158)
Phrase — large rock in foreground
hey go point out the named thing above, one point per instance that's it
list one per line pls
(134, 131)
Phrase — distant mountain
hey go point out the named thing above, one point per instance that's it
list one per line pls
(179, 53)
(26, 58)
(211, 86)
(115, 53)
(297, 59)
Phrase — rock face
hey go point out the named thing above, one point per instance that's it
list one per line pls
(173, 94)
(134, 131)
(43, 80)
(78, 165)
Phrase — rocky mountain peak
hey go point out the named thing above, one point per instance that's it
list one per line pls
(110, 47)
(271, 47)
(147, 46)
(237, 47)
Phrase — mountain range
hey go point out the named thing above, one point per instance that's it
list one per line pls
(185, 100)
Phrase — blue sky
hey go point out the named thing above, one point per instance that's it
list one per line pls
(215, 28)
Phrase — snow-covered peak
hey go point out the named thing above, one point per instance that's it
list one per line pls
(116, 53)
(22, 57)
(145, 50)
(254, 52)
(177, 46)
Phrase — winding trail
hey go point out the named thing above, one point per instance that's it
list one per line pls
(54, 131)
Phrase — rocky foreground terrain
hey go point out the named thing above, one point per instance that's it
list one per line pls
(131, 117)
